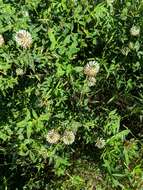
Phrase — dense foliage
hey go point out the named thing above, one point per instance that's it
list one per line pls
(44, 89)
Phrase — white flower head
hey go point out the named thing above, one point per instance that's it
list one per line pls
(109, 2)
(125, 51)
(19, 71)
(25, 13)
(135, 31)
(1, 40)
(91, 81)
(68, 137)
(100, 143)
(53, 136)
(23, 38)
(91, 69)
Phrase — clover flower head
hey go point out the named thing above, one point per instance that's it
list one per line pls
(125, 51)
(68, 137)
(53, 136)
(91, 81)
(19, 71)
(135, 31)
(23, 38)
(109, 2)
(25, 13)
(1, 40)
(100, 143)
(91, 69)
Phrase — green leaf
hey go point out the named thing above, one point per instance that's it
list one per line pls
(34, 114)
(29, 130)
(52, 39)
